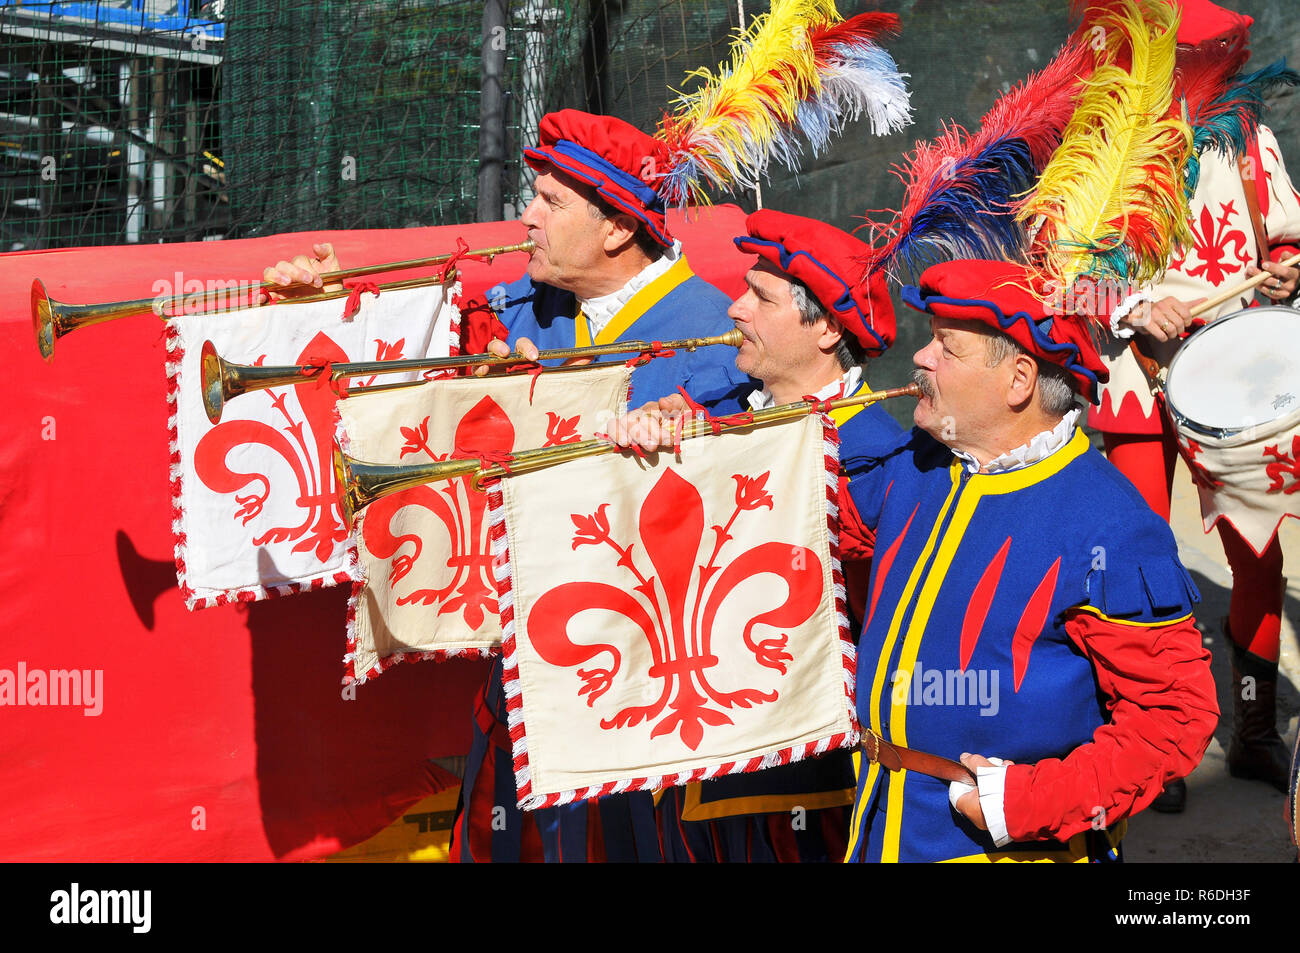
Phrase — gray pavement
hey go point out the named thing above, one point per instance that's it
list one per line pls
(1227, 820)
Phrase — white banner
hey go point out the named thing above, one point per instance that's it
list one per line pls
(429, 590)
(668, 620)
(254, 502)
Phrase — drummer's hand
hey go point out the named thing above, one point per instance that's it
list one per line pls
(1282, 286)
(301, 276)
(1166, 320)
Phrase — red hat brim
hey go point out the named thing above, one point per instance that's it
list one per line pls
(997, 294)
(825, 259)
(611, 156)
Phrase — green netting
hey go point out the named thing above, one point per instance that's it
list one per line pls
(147, 121)
(153, 120)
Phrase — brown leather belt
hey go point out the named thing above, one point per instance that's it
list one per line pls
(897, 758)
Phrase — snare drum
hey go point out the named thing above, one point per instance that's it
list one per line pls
(1237, 373)
(1233, 392)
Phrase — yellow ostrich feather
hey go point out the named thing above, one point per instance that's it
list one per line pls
(1110, 203)
(736, 118)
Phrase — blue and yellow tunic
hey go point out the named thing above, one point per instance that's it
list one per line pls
(677, 304)
(964, 648)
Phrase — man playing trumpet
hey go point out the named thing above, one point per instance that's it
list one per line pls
(808, 332)
(1006, 548)
(605, 268)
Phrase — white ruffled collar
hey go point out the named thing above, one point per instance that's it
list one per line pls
(601, 309)
(762, 399)
(1038, 449)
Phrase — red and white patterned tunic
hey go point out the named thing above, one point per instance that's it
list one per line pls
(1224, 244)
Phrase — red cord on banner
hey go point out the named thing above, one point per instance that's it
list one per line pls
(460, 254)
(716, 423)
(502, 457)
(356, 289)
(655, 350)
(819, 406)
(322, 370)
(532, 369)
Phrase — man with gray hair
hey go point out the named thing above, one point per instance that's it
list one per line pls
(1005, 545)
(808, 330)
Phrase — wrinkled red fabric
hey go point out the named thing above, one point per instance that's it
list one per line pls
(1163, 711)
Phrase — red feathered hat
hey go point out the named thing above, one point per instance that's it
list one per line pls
(826, 260)
(997, 293)
(1203, 20)
(617, 158)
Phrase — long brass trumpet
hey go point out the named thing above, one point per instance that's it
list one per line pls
(51, 319)
(223, 381)
(360, 484)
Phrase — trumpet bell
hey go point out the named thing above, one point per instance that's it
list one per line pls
(51, 319)
(212, 374)
(43, 321)
(345, 487)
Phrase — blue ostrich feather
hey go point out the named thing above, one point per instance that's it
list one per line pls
(1228, 122)
(967, 210)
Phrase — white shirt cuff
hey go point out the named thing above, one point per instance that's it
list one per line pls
(1125, 308)
(992, 782)
(955, 790)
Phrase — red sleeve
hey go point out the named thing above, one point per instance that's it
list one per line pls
(1163, 711)
(857, 543)
(1281, 252)
(479, 325)
(857, 540)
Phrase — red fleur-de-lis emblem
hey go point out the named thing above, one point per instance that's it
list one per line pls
(1284, 465)
(417, 440)
(675, 607)
(384, 351)
(1221, 250)
(561, 430)
(305, 443)
(470, 587)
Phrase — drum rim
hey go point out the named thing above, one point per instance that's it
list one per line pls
(1206, 430)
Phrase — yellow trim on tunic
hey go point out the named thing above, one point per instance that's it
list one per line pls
(977, 486)
(891, 637)
(842, 415)
(636, 307)
(1075, 852)
(1093, 610)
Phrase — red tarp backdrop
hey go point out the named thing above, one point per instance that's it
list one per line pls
(224, 734)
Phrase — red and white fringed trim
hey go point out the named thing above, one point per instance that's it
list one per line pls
(350, 675)
(452, 297)
(528, 801)
(848, 651)
(509, 660)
